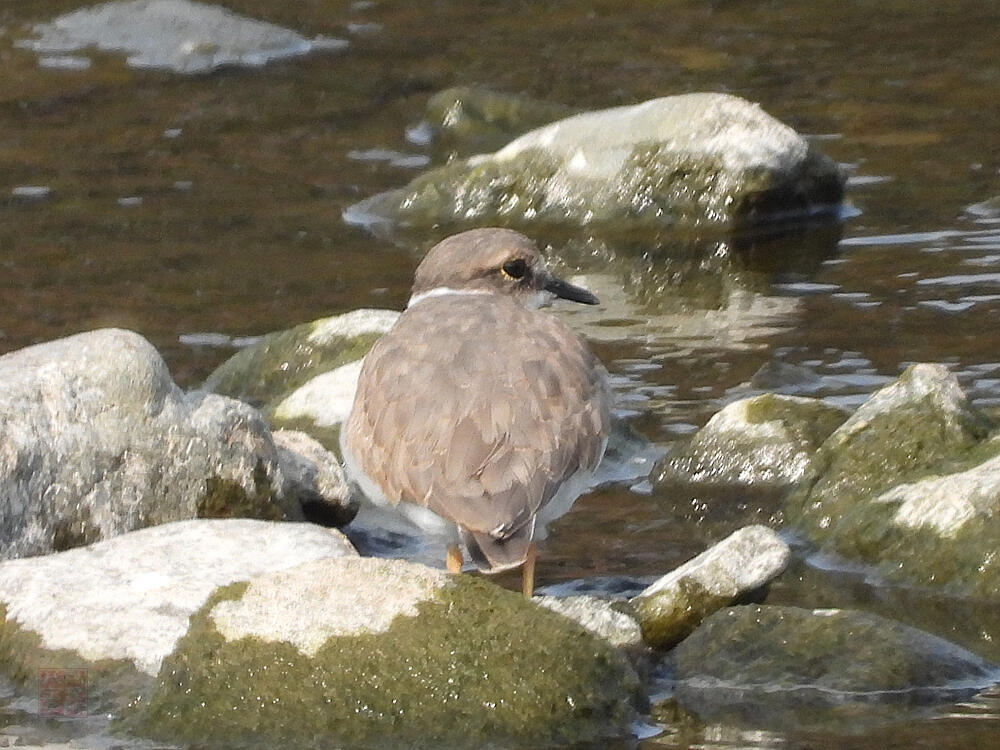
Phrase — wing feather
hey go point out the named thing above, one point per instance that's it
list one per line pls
(441, 417)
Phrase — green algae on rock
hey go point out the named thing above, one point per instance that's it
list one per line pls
(24, 658)
(386, 654)
(905, 484)
(303, 378)
(778, 658)
(762, 439)
(689, 161)
(116, 608)
(284, 360)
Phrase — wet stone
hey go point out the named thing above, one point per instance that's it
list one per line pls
(765, 439)
(782, 664)
(686, 161)
(740, 564)
(909, 484)
(176, 35)
(118, 607)
(466, 120)
(371, 652)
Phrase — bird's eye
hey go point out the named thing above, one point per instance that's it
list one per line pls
(515, 269)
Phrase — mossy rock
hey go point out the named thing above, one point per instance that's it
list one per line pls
(826, 654)
(732, 570)
(919, 429)
(686, 162)
(90, 686)
(383, 653)
(766, 439)
(278, 367)
(109, 613)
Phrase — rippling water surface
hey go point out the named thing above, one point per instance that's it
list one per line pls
(179, 206)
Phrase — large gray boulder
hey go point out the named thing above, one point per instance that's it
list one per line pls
(910, 483)
(772, 662)
(680, 161)
(96, 440)
(370, 652)
(118, 607)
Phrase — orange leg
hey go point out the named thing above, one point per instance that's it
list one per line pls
(528, 572)
(453, 559)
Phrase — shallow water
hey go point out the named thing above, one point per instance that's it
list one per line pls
(181, 206)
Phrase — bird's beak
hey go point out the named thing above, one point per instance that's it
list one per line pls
(565, 290)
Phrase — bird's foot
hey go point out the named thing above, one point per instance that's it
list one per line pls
(453, 559)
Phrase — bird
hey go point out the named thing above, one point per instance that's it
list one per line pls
(478, 417)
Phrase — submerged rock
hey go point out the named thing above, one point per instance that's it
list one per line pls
(468, 120)
(305, 377)
(118, 607)
(681, 161)
(770, 661)
(676, 604)
(762, 439)
(371, 651)
(177, 35)
(909, 483)
(97, 441)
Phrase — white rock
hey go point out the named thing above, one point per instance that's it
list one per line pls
(743, 561)
(677, 603)
(314, 601)
(946, 503)
(352, 324)
(595, 145)
(325, 400)
(177, 35)
(130, 597)
(597, 615)
(97, 440)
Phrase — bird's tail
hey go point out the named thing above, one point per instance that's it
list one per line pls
(493, 554)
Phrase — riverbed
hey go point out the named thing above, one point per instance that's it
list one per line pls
(202, 210)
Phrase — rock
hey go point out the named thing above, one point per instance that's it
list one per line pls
(304, 378)
(316, 477)
(366, 652)
(97, 441)
(324, 401)
(682, 161)
(609, 620)
(118, 607)
(466, 120)
(677, 603)
(767, 661)
(987, 210)
(762, 439)
(908, 484)
(784, 377)
(176, 35)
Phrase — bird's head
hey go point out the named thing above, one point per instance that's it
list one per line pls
(492, 261)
